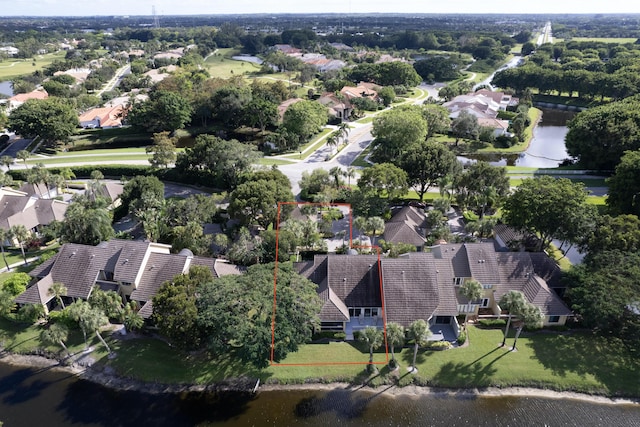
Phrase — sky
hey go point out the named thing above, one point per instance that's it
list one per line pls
(212, 7)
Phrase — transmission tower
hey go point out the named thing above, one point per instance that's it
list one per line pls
(156, 20)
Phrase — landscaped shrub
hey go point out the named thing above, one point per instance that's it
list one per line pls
(492, 323)
(462, 337)
(340, 336)
(439, 345)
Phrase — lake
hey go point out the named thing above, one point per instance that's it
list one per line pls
(6, 88)
(32, 397)
(547, 148)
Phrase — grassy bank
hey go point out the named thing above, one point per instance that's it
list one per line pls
(576, 361)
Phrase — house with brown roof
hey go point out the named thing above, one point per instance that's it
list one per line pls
(363, 90)
(338, 106)
(134, 269)
(362, 290)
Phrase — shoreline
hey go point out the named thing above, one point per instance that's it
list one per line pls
(110, 379)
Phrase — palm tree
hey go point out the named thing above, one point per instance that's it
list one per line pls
(58, 182)
(513, 301)
(33, 178)
(419, 332)
(7, 161)
(350, 173)
(20, 233)
(332, 141)
(530, 316)
(472, 290)
(344, 129)
(336, 172)
(395, 336)
(58, 290)
(56, 334)
(95, 183)
(374, 338)
(23, 155)
(67, 174)
(90, 320)
(4, 235)
(374, 227)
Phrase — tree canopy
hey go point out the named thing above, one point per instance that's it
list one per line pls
(482, 187)
(305, 118)
(599, 136)
(624, 185)
(53, 119)
(550, 208)
(163, 111)
(395, 130)
(235, 313)
(426, 163)
(384, 179)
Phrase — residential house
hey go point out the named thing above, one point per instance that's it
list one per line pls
(19, 99)
(362, 290)
(19, 208)
(9, 50)
(485, 105)
(339, 106)
(407, 225)
(105, 117)
(282, 108)
(363, 90)
(134, 269)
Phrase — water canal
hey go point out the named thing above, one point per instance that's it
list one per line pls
(31, 397)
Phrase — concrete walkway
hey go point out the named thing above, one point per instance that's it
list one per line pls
(18, 264)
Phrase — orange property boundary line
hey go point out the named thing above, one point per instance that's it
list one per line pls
(275, 289)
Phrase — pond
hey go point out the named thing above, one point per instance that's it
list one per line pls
(6, 88)
(31, 397)
(547, 148)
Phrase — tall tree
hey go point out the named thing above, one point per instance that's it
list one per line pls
(513, 301)
(164, 111)
(465, 126)
(437, 118)
(384, 179)
(163, 149)
(599, 136)
(4, 236)
(419, 332)
(24, 156)
(87, 221)
(89, 319)
(225, 160)
(472, 290)
(237, 312)
(305, 118)
(373, 338)
(394, 130)
(529, 316)
(175, 310)
(53, 119)
(482, 187)
(58, 290)
(395, 337)
(550, 208)
(7, 161)
(624, 185)
(20, 234)
(55, 334)
(426, 163)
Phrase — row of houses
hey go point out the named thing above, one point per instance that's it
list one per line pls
(134, 269)
(364, 290)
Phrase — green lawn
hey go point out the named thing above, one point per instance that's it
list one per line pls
(115, 158)
(271, 161)
(310, 147)
(621, 40)
(10, 68)
(576, 361)
(221, 65)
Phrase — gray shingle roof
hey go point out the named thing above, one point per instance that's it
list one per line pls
(410, 289)
(406, 226)
(130, 255)
(38, 293)
(158, 269)
(482, 262)
(355, 279)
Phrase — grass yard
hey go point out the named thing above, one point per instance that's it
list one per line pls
(310, 147)
(10, 68)
(577, 362)
(221, 65)
(89, 158)
(269, 161)
(621, 40)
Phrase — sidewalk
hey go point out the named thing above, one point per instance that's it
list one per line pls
(18, 264)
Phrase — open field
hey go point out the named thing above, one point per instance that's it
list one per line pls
(10, 68)
(221, 65)
(621, 40)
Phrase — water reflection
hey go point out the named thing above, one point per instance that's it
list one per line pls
(43, 397)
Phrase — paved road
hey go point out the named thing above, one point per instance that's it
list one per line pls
(16, 145)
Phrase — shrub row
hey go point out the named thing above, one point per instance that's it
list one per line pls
(492, 323)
